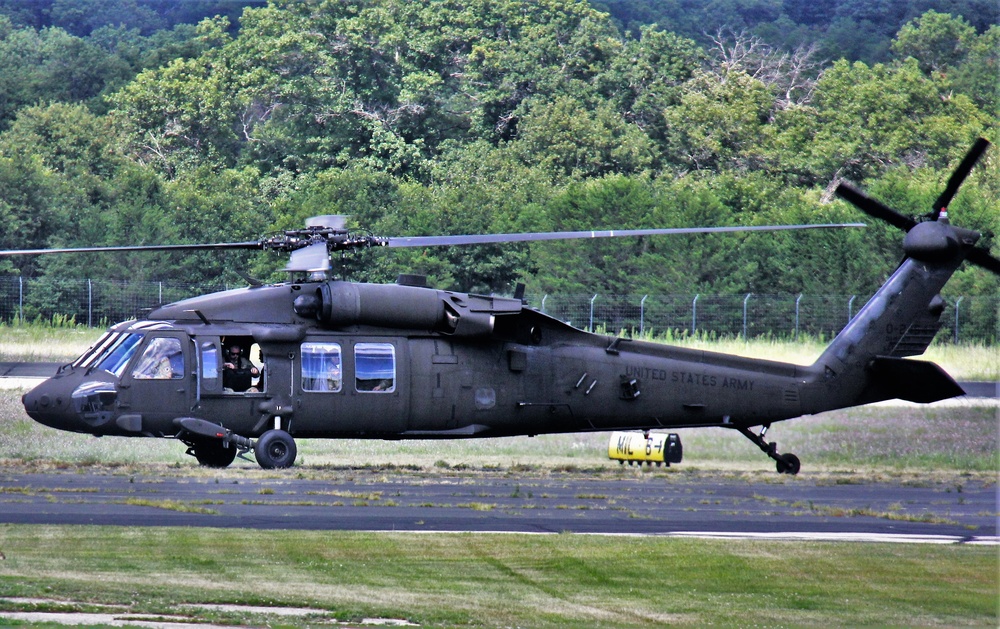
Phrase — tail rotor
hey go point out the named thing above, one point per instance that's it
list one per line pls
(934, 238)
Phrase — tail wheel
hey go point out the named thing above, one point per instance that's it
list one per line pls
(788, 464)
(275, 449)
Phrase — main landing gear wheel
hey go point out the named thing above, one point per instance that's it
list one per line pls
(275, 449)
(213, 453)
(786, 463)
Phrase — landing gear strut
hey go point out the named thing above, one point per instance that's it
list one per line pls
(786, 463)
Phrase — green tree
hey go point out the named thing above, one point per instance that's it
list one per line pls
(863, 120)
(977, 75)
(720, 123)
(211, 206)
(612, 266)
(189, 112)
(570, 141)
(935, 40)
(948, 50)
(80, 17)
(478, 189)
(74, 150)
(29, 199)
(50, 65)
(320, 84)
(645, 78)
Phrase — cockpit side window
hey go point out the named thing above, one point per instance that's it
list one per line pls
(162, 359)
(321, 367)
(375, 367)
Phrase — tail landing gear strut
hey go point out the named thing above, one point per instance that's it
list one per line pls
(787, 463)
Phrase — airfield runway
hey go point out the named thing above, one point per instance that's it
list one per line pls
(956, 510)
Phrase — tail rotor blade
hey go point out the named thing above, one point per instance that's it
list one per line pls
(982, 258)
(961, 172)
(874, 208)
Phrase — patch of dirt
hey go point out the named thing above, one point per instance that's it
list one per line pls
(118, 616)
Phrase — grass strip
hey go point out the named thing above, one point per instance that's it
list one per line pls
(484, 580)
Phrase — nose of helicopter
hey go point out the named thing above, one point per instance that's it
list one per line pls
(50, 403)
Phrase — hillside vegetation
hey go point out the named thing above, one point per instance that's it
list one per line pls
(435, 117)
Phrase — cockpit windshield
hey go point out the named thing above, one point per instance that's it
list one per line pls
(116, 355)
(97, 349)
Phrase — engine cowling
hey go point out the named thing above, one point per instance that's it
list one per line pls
(342, 304)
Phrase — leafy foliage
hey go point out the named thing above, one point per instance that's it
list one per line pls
(456, 117)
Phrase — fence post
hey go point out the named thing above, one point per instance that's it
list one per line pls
(694, 315)
(958, 301)
(544, 297)
(90, 303)
(797, 300)
(20, 298)
(745, 300)
(592, 299)
(642, 314)
(850, 308)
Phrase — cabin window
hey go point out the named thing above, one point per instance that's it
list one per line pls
(322, 367)
(162, 359)
(209, 361)
(375, 367)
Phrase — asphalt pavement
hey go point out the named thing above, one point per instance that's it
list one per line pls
(634, 502)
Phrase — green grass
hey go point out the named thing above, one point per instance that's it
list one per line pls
(44, 343)
(967, 361)
(463, 580)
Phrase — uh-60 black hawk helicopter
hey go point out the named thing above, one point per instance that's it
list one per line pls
(337, 359)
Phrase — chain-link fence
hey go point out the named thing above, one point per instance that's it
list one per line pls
(94, 303)
(98, 303)
(753, 315)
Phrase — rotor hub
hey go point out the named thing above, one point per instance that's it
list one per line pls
(931, 241)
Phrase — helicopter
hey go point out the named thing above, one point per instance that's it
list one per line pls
(255, 368)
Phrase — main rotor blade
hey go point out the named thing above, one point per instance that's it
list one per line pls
(482, 239)
(873, 208)
(195, 247)
(958, 176)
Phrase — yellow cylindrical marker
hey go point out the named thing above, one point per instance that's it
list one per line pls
(637, 448)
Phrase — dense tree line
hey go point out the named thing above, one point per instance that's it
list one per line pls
(856, 30)
(83, 17)
(486, 116)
